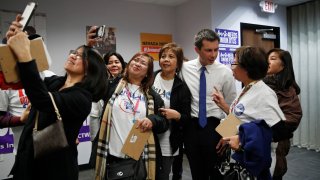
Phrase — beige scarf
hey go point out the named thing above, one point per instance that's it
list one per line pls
(104, 137)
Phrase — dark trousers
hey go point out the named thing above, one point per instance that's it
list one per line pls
(200, 147)
(177, 165)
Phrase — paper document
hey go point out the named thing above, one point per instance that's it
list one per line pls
(229, 126)
(135, 142)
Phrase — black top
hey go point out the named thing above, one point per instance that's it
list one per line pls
(74, 104)
(180, 100)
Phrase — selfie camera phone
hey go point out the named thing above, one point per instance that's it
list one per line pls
(100, 31)
(27, 14)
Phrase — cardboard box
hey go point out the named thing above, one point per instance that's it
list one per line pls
(8, 61)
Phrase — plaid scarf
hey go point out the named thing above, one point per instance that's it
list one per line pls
(104, 137)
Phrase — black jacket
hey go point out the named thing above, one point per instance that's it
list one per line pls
(180, 100)
(74, 105)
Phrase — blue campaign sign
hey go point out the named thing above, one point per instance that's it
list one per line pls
(226, 55)
(229, 37)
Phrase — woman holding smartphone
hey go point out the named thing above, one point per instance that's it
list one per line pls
(73, 94)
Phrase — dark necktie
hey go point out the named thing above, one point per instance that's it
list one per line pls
(202, 98)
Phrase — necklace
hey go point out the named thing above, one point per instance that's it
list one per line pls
(133, 106)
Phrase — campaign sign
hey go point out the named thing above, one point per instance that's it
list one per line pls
(226, 55)
(84, 133)
(228, 37)
(6, 141)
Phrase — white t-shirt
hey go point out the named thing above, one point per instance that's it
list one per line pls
(163, 88)
(259, 103)
(14, 102)
(130, 100)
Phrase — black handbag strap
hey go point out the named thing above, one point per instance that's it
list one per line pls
(55, 109)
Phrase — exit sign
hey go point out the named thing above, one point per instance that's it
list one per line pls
(268, 6)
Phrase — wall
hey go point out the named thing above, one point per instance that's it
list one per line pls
(190, 18)
(229, 13)
(66, 21)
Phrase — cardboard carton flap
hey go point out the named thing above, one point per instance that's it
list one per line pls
(8, 61)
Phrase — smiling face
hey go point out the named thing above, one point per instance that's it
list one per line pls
(168, 61)
(114, 66)
(275, 63)
(208, 52)
(75, 62)
(138, 67)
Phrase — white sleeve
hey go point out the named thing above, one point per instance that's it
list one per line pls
(4, 101)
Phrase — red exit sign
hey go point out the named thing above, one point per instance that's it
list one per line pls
(268, 6)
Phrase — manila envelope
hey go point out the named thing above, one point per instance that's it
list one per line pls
(135, 142)
(229, 126)
(8, 61)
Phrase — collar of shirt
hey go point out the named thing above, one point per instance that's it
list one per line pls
(209, 68)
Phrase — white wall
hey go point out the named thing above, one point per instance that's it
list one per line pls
(228, 14)
(66, 21)
(190, 18)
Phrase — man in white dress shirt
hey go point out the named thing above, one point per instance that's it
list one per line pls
(201, 138)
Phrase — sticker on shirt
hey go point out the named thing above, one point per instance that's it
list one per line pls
(239, 109)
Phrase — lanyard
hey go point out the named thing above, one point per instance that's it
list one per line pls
(245, 89)
(133, 106)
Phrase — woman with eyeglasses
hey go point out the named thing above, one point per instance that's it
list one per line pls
(73, 94)
(258, 104)
(281, 79)
(131, 99)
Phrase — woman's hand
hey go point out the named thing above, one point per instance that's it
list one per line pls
(144, 124)
(15, 27)
(170, 114)
(20, 45)
(218, 98)
(233, 141)
(221, 146)
(91, 40)
(25, 114)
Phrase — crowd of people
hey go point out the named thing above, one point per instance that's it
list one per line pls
(180, 105)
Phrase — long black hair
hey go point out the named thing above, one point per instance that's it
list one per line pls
(95, 79)
(285, 78)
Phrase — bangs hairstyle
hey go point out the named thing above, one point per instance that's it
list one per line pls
(205, 34)
(95, 79)
(147, 81)
(112, 53)
(254, 60)
(177, 50)
(285, 78)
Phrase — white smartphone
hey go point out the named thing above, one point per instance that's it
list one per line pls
(27, 14)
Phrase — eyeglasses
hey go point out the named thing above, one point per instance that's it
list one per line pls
(140, 60)
(233, 65)
(76, 53)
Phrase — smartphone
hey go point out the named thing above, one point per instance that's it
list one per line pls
(100, 31)
(27, 14)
